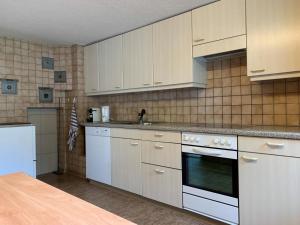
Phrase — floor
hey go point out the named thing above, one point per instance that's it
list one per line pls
(132, 207)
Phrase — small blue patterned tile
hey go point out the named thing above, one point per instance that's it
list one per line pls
(60, 77)
(45, 95)
(9, 87)
(48, 63)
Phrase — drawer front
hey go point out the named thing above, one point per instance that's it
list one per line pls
(274, 146)
(125, 133)
(161, 136)
(163, 154)
(162, 184)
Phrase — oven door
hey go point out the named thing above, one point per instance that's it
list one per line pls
(211, 170)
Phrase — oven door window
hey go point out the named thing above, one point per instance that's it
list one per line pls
(210, 173)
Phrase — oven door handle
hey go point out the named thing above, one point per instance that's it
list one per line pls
(205, 152)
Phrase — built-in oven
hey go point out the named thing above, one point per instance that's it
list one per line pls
(210, 175)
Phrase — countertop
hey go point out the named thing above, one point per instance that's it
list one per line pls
(15, 124)
(25, 200)
(253, 131)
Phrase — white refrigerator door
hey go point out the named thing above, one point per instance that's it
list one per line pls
(17, 150)
(98, 158)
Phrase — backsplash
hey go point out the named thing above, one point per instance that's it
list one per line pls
(230, 98)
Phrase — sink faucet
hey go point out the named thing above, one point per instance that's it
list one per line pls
(141, 116)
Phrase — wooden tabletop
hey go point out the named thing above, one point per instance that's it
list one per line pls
(27, 201)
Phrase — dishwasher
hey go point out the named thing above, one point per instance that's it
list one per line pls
(98, 154)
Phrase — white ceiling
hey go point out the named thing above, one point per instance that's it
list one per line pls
(83, 21)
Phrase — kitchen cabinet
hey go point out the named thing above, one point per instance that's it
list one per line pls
(126, 164)
(18, 152)
(172, 53)
(273, 34)
(162, 184)
(138, 58)
(111, 64)
(219, 20)
(269, 184)
(91, 73)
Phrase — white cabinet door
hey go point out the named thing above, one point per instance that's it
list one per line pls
(91, 73)
(138, 58)
(219, 20)
(273, 34)
(269, 189)
(18, 151)
(162, 184)
(126, 164)
(111, 64)
(172, 50)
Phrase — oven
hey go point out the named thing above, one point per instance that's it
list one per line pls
(210, 175)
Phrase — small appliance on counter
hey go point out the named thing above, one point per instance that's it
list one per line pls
(94, 115)
(105, 114)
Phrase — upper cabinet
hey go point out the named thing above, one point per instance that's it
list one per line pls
(172, 51)
(219, 20)
(138, 58)
(111, 64)
(221, 26)
(273, 34)
(91, 68)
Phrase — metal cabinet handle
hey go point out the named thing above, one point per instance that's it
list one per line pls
(249, 159)
(258, 71)
(158, 135)
(134, 144)
(275, 145)
(158, 82)
(159, 146)
(159, 171)
(203, 152)
(199, 40)
(146, 84)
(118, 87)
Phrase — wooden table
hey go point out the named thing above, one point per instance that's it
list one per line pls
(27, 201)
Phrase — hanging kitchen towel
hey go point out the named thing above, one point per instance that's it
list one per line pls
(73, 131)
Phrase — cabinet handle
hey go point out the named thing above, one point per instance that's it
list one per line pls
(199, 40)
(158, 135)
(146, 84)
(158, 82)
(134, 144)
(94, 89)
(159, 171)
(275, 145)
(118, 87)
(210, 152)
(258, 71)
(249, 159)
(159, 146)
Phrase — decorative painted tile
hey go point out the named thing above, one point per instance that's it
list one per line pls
(60, 77)
(48, 63)
(9, 87)
(45, 95)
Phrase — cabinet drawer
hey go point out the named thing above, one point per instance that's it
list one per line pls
(161, 136)
(272, 146)
(162, 184)
(125, 133)
(163, 154)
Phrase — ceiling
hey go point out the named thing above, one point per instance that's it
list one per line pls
(68, 22)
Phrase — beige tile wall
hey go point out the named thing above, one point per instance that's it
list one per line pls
(21, 60)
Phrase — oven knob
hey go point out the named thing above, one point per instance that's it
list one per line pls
(216, 141)
(223, 141)
(198, 140)
(228, 143)
(192, 139)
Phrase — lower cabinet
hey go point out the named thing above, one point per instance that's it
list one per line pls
(126, 164)
(162, 184)
(269, 189)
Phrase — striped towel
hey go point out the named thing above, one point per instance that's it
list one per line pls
(73, 131)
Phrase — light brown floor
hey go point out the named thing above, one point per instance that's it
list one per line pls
(132, 207)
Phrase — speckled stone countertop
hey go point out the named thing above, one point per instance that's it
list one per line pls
(254, 131)
(17, 124)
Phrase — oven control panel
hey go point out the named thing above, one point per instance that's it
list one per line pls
(210, 140)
